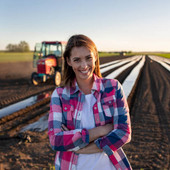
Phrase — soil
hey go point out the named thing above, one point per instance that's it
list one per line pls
(149, 110)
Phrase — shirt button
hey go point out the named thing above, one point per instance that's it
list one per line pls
(51, 129)
(65, 108)
(109, 101)
(95, 108)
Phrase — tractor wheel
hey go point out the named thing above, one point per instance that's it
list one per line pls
(57, 78)
(34, 78)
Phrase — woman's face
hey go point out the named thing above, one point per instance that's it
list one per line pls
(82, 61)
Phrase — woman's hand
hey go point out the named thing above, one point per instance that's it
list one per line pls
(64, 128)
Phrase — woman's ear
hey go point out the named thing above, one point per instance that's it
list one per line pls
(68, 61)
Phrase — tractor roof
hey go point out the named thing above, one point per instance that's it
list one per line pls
(54, 42)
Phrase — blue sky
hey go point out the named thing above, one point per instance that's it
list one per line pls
(114, 25)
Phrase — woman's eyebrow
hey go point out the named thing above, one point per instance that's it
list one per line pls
(88, 55)
(75, 57)
(84, 56)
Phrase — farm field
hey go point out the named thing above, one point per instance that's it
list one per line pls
(149, 109)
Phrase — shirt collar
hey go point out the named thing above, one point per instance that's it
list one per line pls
(97, 85)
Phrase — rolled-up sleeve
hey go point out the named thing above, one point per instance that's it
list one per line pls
(63, 140)
(121, 134)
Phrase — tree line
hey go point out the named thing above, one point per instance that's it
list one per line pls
(21, 47)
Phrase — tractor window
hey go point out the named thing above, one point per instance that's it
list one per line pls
(54, 49)
(58, 50)
(43, 49)
(37, 47)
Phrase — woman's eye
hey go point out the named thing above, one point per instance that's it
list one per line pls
(89, 58)
(76, 60)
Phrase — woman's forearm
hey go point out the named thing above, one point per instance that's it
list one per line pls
(89, 149)
(99, 131)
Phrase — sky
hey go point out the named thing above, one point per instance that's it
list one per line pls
(114, 25)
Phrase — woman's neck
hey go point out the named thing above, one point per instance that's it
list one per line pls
(85, 86)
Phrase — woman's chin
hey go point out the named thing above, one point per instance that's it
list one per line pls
(86, 76)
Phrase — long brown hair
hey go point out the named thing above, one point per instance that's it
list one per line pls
(78, 41)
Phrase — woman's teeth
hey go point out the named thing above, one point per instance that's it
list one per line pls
(84, 71)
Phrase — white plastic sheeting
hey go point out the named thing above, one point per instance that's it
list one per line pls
(119, 70)
(131, 78)
(40, 125)
(121, 62)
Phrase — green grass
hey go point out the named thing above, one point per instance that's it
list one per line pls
(105, 54)
(166, 55)
(15, 57)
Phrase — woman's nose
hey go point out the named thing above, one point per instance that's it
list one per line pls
(83, 64)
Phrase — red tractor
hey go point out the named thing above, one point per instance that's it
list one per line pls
(48, 59)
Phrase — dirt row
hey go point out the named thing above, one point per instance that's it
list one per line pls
(149, 148)
(149, 111)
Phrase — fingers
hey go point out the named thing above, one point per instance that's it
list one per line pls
(64, 128)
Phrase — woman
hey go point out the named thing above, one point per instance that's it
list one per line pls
(89, 117)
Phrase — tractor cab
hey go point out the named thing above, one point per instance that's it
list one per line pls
(37, 54)
(48, 58)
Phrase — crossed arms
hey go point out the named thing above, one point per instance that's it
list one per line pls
(94, 134)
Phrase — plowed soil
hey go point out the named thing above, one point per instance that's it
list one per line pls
(149, 110)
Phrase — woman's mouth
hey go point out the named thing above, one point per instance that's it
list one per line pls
(84, 71)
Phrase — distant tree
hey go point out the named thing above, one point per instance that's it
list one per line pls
(9, 47)
(21, 47)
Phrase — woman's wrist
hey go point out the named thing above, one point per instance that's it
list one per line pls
(94, 133)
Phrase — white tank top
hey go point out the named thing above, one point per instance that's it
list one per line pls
(96, 161)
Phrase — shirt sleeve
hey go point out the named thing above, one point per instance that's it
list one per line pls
(121, 133)
(71, 140)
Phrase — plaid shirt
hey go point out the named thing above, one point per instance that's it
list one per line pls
(110, 107)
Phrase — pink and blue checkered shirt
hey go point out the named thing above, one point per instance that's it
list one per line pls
(110, 107)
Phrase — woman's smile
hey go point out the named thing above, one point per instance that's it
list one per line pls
(85, 71)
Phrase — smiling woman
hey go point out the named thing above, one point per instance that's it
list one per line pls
(82, 62)
(74, 51)
(89, 117)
